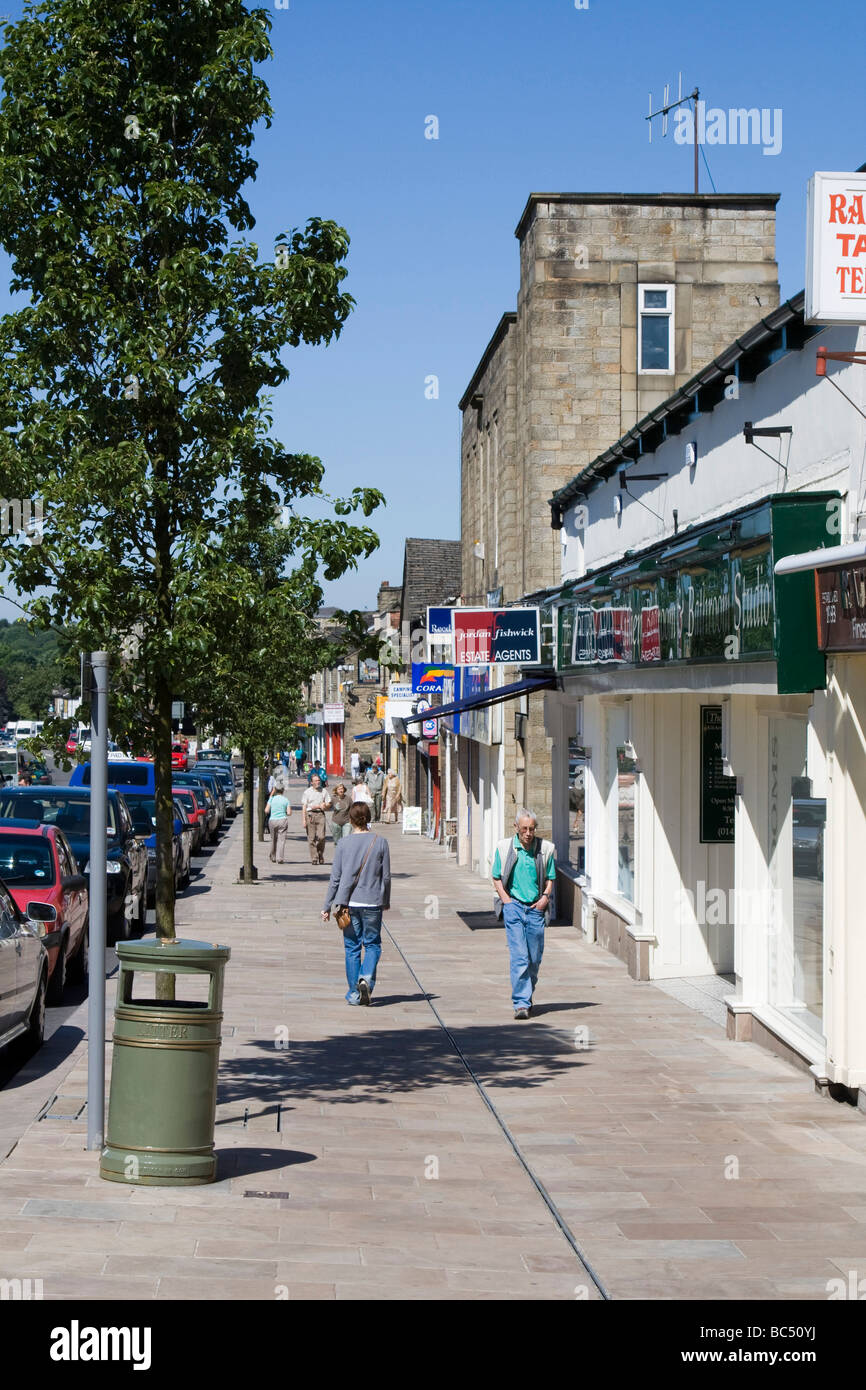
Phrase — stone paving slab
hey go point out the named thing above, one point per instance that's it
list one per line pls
(686, 1166)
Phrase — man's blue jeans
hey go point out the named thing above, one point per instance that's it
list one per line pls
(524, 932)
(364, 934)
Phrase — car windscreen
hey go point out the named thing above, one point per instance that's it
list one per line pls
(142, 809)
(26, 862)
(69, 814)
(186, 799)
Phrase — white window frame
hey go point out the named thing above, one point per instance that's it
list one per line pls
(670, 314)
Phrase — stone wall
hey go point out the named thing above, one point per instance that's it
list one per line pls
(558, 383)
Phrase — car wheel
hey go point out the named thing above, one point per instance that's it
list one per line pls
(36, 1031)
(118, 927)
(57, 983)
(79, 966)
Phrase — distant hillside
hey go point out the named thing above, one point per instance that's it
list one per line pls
(31, 668)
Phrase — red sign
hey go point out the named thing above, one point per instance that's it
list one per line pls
(473, 636)
(841, 599)
(650, 639)
(490, 636)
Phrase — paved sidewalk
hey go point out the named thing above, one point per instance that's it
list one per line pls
(686, 1166)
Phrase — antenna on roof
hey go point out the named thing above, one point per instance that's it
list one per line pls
(668, 105)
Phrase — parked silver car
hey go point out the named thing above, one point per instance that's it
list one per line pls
(23, 972)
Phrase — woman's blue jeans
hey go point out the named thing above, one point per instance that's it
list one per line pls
(365, 934)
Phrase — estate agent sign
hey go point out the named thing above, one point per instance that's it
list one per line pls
(496, 636)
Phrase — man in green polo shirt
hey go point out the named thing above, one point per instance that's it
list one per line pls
(524, 874)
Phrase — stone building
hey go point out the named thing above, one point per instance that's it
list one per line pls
(431, 576)
(622, 298)
(342, 699)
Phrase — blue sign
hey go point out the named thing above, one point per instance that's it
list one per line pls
(451, 692)
(439, 625)
(427, 677)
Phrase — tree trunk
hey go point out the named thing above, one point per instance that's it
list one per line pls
(263, 798)
(249, 813)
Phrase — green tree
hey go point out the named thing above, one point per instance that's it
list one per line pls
(264, 620)
(132, 383)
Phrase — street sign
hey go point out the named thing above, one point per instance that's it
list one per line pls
(497, 636)
(427, 677)
(411, 820)
(841, 599)
(428, 728)
(398, 690)
(836, 249)
(718, 792)
(439, 627)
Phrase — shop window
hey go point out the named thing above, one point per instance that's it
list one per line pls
(656, 328)
(577, 772)
(798, 815)
(623, 788)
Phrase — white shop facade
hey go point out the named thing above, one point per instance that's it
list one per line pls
(708, 783)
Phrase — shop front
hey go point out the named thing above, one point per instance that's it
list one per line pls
(333, 723)
(690, 769)
(821, 971)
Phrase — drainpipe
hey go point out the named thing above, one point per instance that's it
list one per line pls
(590, 916)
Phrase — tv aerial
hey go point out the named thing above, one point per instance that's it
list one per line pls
(668, 106)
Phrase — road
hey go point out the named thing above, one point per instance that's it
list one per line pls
(72, 1013)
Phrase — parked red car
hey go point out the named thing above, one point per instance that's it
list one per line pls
(197, 812)
(180, 757)
(38, 866)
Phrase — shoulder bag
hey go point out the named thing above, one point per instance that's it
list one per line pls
(343, 916)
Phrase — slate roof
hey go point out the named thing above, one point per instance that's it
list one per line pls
(431, 574)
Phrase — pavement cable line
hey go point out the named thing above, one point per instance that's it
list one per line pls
(536, 1182)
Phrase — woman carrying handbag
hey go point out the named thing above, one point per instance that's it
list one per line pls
(360, 886)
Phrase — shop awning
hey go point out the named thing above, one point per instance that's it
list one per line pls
(359, 738)
(489, 697)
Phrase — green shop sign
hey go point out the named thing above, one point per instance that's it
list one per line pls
(711, 597)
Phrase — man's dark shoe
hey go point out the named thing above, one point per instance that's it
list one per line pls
(521, 1013)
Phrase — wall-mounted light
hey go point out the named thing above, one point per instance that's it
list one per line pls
(617, 504)
(691, 453)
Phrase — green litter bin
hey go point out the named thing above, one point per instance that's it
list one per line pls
(162, 1102)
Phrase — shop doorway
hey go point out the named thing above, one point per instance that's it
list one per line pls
(797, 813)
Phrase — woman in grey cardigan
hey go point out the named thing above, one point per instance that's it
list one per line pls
(361, 881)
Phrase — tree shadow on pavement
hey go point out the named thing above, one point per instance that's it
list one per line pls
(370, 1066)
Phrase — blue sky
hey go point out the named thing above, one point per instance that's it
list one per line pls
(530, 95)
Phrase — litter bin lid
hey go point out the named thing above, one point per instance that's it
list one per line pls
(177, 948)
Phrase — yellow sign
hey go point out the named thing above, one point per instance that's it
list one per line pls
(380, 706)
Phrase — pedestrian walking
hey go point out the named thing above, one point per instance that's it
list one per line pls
(278, 811)
(392, 799)
(300, 755)
(375, 780)
(361, 794)
(317, 771)
(355, 765)
(341, 804)
(314, 803)
(524, 876)
(360, 889)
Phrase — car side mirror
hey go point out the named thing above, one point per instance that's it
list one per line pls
(38, 912)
